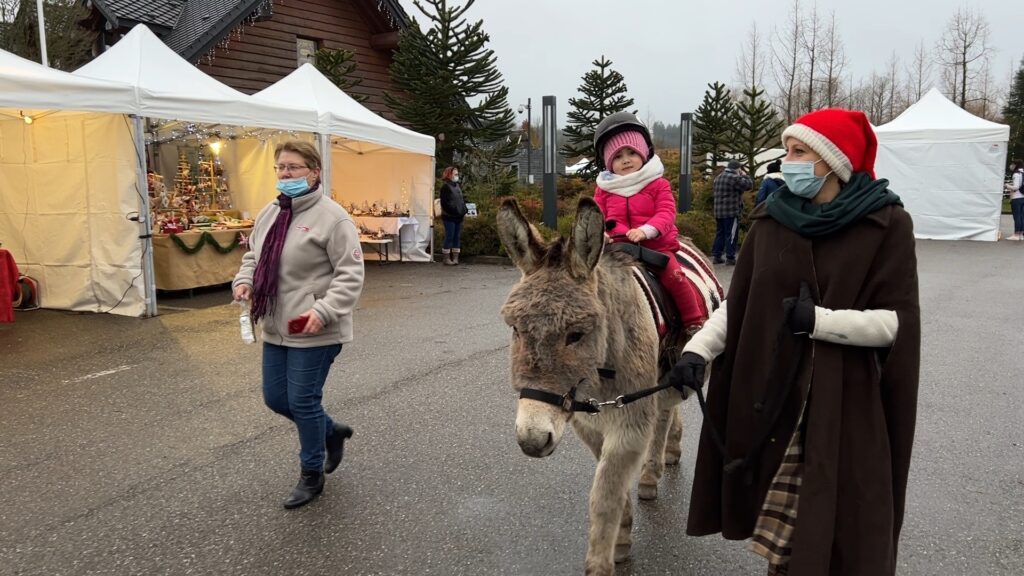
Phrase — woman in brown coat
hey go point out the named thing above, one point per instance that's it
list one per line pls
(812, 398)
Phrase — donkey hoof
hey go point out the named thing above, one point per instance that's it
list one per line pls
(622, 553)
(647, 491)
(671, 458)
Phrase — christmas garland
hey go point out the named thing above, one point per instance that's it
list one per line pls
(204, 238)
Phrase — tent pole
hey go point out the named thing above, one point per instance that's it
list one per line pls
(145, 231)
(433, 217)
(324, 143)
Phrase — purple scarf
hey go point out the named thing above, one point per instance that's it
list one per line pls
(264, 285)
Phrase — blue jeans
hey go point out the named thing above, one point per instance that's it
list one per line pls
(725, 237)
(293, 386)
(452, 234)
(1017, 209)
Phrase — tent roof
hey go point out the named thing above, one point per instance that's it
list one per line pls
(340, 114)
(29, 85)
(934, 118)
(171, 88)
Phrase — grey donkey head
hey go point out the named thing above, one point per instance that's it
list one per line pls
(558, 321)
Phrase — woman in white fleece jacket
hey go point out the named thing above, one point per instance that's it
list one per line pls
(303, 273)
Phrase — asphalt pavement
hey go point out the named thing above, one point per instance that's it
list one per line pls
(141, 446)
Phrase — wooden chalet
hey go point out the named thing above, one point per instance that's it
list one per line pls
(250, 44)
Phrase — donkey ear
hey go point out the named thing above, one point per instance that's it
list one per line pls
(587, 241)
(519, 238)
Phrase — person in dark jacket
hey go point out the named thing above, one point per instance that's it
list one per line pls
(453, 211)
(812, 400)
(772, 181)
(728, 188)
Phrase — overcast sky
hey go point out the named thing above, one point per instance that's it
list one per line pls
(668, 51)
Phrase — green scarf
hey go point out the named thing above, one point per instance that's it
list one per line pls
(858, 198)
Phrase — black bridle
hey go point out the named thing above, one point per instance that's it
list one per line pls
(568, 402)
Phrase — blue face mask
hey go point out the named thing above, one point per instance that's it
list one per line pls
(293, 187)
(800, 178)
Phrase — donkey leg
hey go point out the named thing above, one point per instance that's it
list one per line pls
(617, 469)
(673, 446)
(624, 543)
(655, 465)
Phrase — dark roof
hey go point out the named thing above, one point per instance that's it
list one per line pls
(193, 27)
(203, 23)
(125, 13)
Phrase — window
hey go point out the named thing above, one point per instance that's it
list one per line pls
(305, 50)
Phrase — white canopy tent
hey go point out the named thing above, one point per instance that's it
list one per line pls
(371, 159)
(73, 176)
(947, 166)
(169, 87)
(68, 176)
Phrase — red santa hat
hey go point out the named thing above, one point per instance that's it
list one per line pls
(843, 138)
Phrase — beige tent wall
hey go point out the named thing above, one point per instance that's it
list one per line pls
(68, 180)
(380, 175)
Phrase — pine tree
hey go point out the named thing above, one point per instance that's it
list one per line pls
(1013, 114)
(713, 129)
(339, 67)
(756, 126)
(440, 72)
(604, 93)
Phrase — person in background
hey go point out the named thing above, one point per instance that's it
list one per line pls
(303, 275)
(812, 400)
(1016, 190)
(771, 182)
(728, 187)
(453, 212)
(638, 204)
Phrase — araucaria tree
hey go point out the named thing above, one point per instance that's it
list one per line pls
(604, 93)
(713, 128)
(1013, 114)
(450, 87)
(68, 43)
(756, 126)
(339, 67)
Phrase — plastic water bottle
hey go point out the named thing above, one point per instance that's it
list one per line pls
(246, 323)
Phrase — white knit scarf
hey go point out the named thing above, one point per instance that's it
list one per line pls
(632, 183)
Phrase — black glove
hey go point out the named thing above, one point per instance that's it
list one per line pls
(688, 372)
(799, 312)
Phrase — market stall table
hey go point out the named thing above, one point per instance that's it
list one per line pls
(176, 269)
(378, 245)
(389, 225)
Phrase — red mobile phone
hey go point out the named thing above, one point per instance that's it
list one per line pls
(296, 325)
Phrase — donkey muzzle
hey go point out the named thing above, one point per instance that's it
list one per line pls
(539, 427)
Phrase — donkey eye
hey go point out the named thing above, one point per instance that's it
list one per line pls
(573, 337)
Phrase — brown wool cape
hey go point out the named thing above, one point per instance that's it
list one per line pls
(862, 402)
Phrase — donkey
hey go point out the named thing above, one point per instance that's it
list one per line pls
(582, 327)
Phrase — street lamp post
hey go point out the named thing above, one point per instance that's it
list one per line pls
(550, 211)
(529, 141)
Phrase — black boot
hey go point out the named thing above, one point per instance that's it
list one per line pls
(336, 446)
(311, 483)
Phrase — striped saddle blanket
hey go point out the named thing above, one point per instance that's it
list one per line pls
(702, 279)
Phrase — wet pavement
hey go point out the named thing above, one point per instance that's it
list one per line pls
(131, 446)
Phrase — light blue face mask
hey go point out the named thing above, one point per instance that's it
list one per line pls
(800, 178)
(293, 187)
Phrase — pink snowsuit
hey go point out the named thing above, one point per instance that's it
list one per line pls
(655, 205)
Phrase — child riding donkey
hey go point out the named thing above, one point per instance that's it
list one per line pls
(639, 206)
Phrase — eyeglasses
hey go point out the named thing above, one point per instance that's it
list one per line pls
(290, 167)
